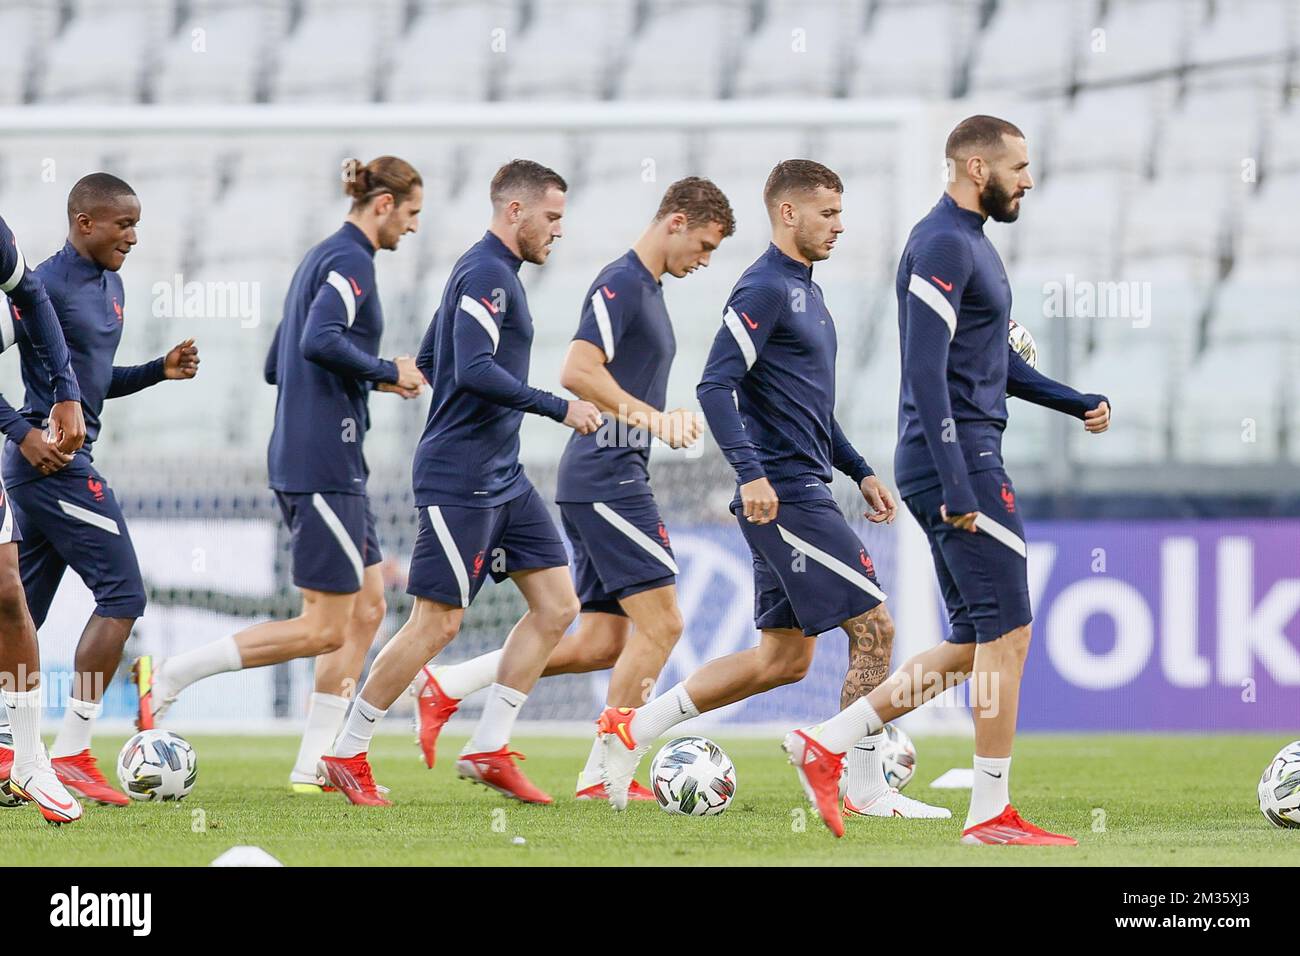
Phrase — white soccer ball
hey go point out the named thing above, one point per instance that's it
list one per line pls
(898, 756)
(157, 765)
(1022, 342)
(693, 777)
(1279, 788)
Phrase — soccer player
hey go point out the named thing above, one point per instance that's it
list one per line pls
(25, 769)
(324, 361)
(957, 368)
(768, 393)
(619, 360)
(68, 514)
(478, 512)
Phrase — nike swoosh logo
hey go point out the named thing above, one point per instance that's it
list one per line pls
(61, 806)
(491, 307)
(609, 295)
(356, 289)
(82, 716)
(748, 321)
(370, 719)
(995, 776)
(945, 286)
(511, 703)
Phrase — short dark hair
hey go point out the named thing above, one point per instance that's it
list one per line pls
(527, 176)
(979, 132)
(804, 175)
(95, 192)
(700, 201)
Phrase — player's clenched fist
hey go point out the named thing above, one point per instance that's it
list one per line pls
(679, 428)
(583, 417)
(409, 378)
(966, 522)
(1097, 420)
(67, 426)
(182, 361)
(759, 501)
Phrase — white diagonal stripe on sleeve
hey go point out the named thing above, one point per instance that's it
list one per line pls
(932, 297)
(831, 563)
(89, 517)
(741, 335)
(449, 548)
(603, 323)
(335, 524)
(15, 277)
(1001, 533)
(639, 537)
(344, 289)
(480, 313)
(7, 334)
(6, 529)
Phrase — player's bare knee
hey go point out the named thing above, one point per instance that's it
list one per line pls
(369, 614)
(555, 616)
(328, 638)
(12, 602)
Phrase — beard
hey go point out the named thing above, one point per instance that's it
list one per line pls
(998, 202)
(533, 248)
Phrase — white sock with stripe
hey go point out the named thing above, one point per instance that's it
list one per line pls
(493, 730)
(867, 770)
(325, 716)
(847, 727)
(78, 725)
(667, 710)
(461, 680)
(24, 710)
(989, 795)
(358, 730)
(176, 673)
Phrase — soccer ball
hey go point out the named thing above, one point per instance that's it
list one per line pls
(7, 799)
(693, 777)
(1279, 788)
(1023, 344)
(157, 765)
(898, 755)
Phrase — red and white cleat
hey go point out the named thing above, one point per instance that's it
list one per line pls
(597, 791)
(496, 769)
(149, 705)
(40, 786)
(819, 772)
(891, 803)
(80, 774)
(619, 753)
(433, 708)
(353, 777)
(1009, 828)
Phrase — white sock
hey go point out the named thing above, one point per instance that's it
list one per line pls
(177, 673)
(590, 775)
(358, 730)
(24, 709)
(848, 726)
(325, 718)
(867, 770)
(988, 797)
(493, 730)
(461, 680)
(667, 710)
(78, 724)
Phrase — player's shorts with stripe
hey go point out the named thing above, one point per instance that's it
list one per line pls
(10, 533)
(73, 520)
(983, 575)
(811, 570)
(332, 539)
(457, 547)
(620, 548)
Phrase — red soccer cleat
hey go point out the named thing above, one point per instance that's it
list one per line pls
(819, 771)
(433, 708)
(6, 763)
(142, 678)
(354, 778)
(80, 774)
(497, 770)
(597, 792)
(1009, 828)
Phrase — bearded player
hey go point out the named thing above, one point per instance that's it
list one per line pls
(623, 561)
(768, 393)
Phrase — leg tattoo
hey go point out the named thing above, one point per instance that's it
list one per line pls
(871, 643)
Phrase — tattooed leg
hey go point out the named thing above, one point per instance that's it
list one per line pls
(871, 643)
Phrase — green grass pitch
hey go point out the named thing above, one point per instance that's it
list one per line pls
(1149, 800)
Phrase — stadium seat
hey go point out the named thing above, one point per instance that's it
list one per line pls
(1109, 129)
(1138, 38)
(462, 71)
(1137, 379)
(533, 71)
(210, 58)
(1029, 47)
(337, 52)
(889, 62)
(800, 50)
(669, 61)
(1239, 424)
(27, 29)
(132, 30)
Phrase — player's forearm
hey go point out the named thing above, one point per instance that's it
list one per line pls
(719, 405)
(1030, 385)
(485, 378)
(331, 350)
(129, 379)
(597, 386)
(46, 335)
(12, 425)
(924, 376)
(845, 457)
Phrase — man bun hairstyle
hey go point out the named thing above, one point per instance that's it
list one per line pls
(384, 174)
(803, 175)
(700, 201)
(524, 177)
